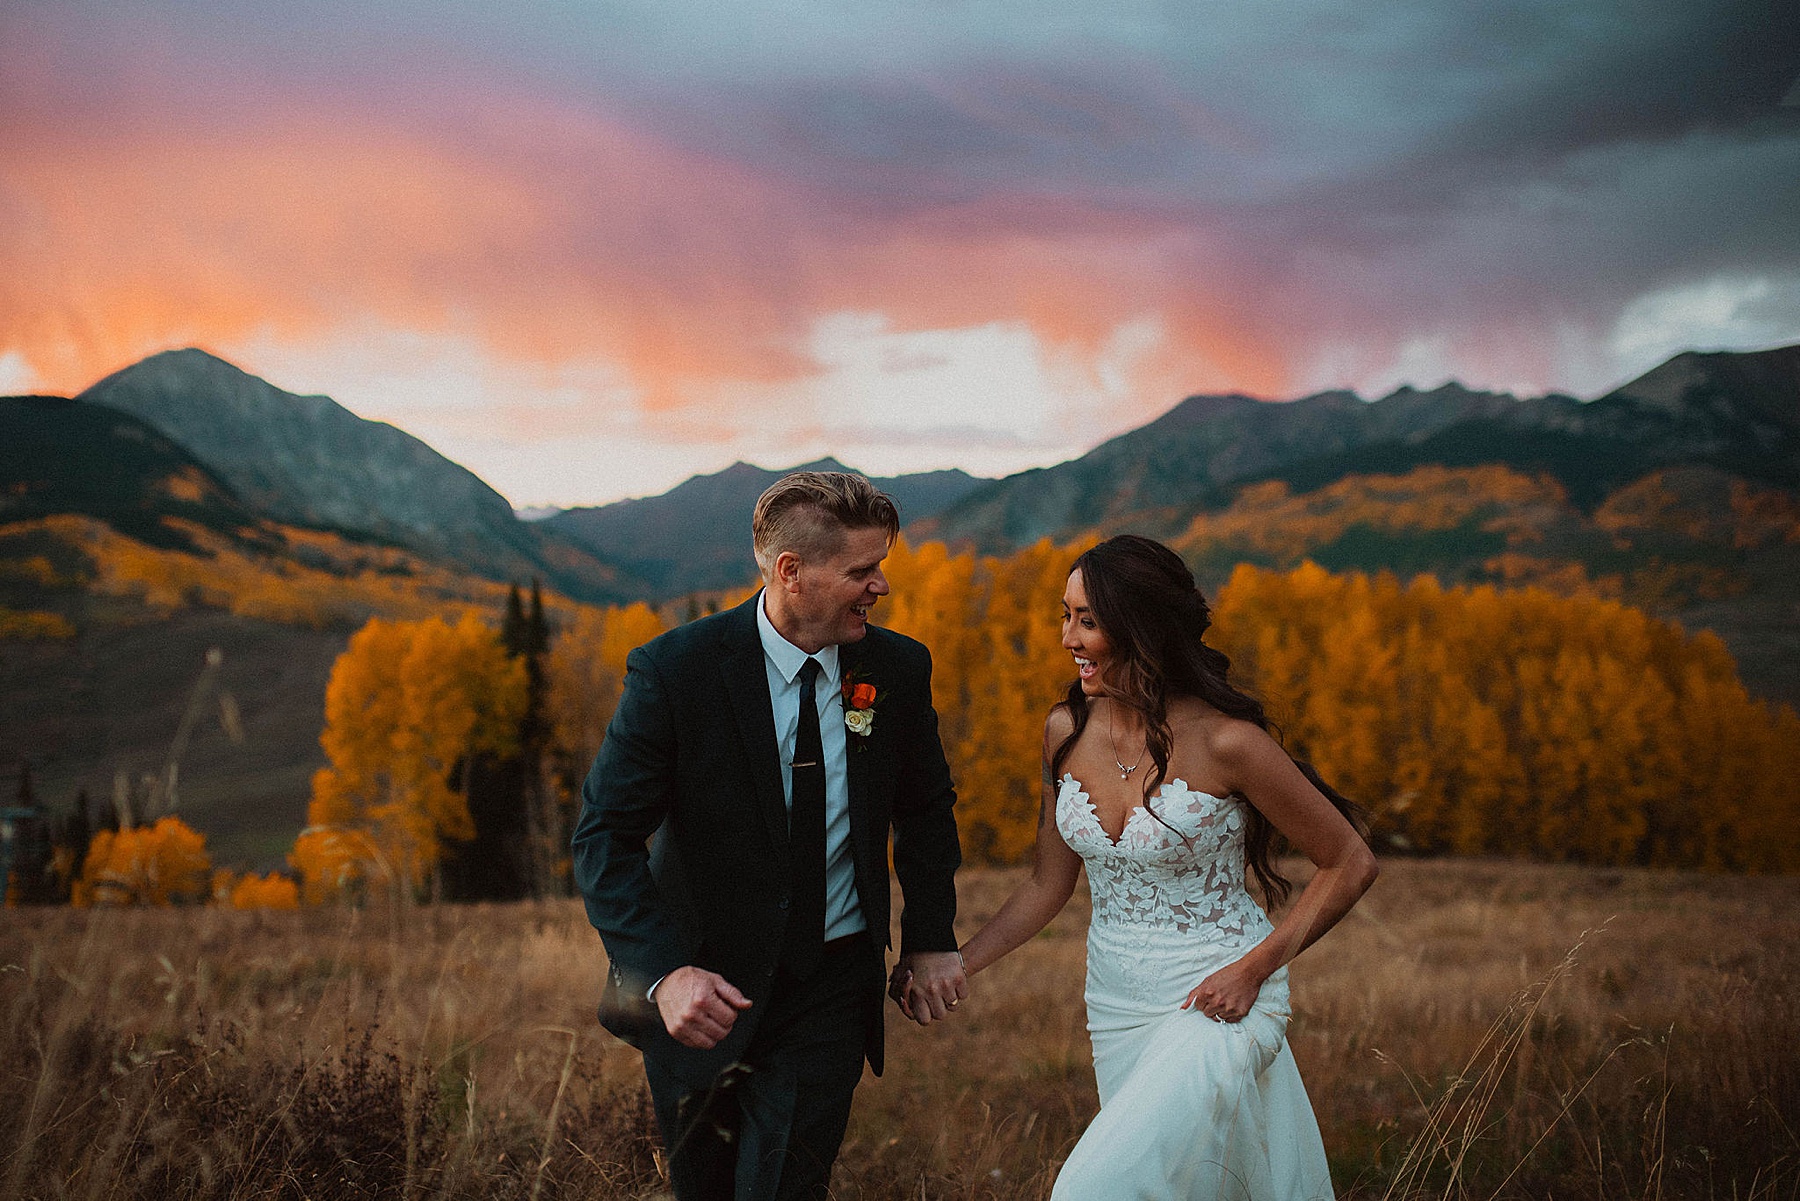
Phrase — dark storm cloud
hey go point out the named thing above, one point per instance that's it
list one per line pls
(1278, 186)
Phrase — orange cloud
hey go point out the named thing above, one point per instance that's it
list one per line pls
(549, 236)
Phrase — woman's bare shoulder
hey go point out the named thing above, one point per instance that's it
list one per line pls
(1224, 738)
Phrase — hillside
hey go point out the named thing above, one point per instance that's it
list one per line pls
(123, 560)
(110, 699)
(696, 536)
(1678, 492)
(307, 461)
(1737, 412)
(102, 640)
(65, 456)
(1697, 544)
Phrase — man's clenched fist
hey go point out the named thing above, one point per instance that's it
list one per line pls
(698, 1007)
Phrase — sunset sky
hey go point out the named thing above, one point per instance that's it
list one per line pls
(590, 247)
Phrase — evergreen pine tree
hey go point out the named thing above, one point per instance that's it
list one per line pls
(513, 626)
(498, 863)
(544, 833)
(71, 838)
(537, 641)
(30, 879)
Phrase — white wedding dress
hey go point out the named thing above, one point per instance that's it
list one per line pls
(1190, 1108)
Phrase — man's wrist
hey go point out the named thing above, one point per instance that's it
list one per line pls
(906, 956)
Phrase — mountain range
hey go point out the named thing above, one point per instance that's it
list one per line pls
(182, 504)
(696, 536)
(1739, 413)
(308, 461)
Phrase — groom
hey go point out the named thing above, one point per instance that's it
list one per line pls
(770, 749)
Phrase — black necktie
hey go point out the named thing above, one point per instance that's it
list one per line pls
(806, 833)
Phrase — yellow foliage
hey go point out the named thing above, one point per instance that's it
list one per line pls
(319, 579)
(585, 671)
(1474, 721)
(273, 891)
(163, 864)
(996, 649)
(24, 625)
(1471, 720)
(1763, 515)
(1520, 723)
(35, 569)
(250, 891)
(407, 706)
(1267, 521)
(340, 863)
(186, 483)
(1704, 506)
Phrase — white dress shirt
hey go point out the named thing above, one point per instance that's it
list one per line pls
(782, 661)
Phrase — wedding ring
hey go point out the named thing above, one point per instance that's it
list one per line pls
(950, 1004)
(1218, 1017)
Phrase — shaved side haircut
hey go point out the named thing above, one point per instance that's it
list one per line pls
(808, 513)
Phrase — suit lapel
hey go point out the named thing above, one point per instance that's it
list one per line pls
(747, 685)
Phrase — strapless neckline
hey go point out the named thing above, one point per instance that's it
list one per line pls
(1177, 785)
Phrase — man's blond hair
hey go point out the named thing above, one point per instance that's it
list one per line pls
(809, 512)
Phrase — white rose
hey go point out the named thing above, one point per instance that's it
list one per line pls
(860, 721)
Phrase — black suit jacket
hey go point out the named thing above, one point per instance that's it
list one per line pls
(690, 756)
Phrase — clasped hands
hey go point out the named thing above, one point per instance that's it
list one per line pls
(928, 985)
(699, 1007)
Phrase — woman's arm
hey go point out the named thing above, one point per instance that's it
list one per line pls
(1261, 771)
(1040, 898)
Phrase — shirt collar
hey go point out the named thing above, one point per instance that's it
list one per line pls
(788, 658)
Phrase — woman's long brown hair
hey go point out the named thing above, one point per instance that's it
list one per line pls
(1143, 598)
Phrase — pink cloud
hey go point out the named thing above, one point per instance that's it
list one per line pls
(547, 233)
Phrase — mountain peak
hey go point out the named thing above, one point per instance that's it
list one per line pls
(1762, 384)
(1205, 407)
(305, 460)
(828, 463)
(189, 363)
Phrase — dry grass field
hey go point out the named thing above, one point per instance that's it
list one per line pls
(1473, 1030)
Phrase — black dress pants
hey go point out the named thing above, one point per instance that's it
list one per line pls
(768, 1128)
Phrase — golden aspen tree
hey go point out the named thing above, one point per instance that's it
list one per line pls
(342, 861)
(273, 891)
(1481, 770)
(584, 674)
(1769, 830)
(161, 864)
(408, 704)
(987, 760)
(936, 599)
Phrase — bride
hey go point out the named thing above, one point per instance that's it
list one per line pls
(1162, 778)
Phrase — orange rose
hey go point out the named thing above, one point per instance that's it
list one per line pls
(862, 696)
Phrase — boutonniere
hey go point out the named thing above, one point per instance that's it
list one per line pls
(860, 699)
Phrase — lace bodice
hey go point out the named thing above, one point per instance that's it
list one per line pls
(1189, 879)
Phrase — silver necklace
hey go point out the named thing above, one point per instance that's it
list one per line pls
(1113, 743)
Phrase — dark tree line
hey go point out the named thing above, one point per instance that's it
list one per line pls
(507, 860)
(45, 850)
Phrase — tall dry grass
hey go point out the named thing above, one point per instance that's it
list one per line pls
(1473, 1030)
